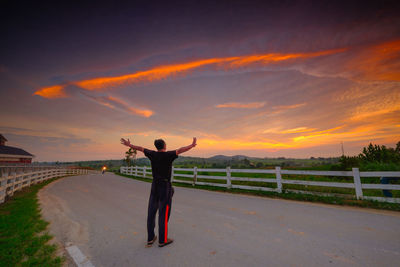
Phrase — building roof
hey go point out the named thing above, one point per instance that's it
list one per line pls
(3, 138)
(10, 150)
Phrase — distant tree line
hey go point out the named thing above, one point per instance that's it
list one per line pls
(373, 157)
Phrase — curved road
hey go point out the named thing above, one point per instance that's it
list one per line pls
(105, 216)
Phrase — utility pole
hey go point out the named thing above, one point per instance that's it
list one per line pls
(342, 149)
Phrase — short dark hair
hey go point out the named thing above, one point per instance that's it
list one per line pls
(159, 143)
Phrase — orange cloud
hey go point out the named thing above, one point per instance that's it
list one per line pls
(142, 112)
(233, 144)
(276, 57)
(250, 105)
(162, 72)
(136, 133)
(378, 62)
(298, 130)
(317, 134)
(116, 103)
(56, 91)
(377, 106)
(312, 139)
(280, 109)
(288, 131)
(154, 74)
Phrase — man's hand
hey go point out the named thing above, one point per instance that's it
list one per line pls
(187, 148)
(128, 143)
(194, 142)
(125, 142)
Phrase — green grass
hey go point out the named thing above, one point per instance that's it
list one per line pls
(287, 195)
(23, 236)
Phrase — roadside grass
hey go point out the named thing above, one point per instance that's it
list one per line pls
(336, 200)
(23, 236)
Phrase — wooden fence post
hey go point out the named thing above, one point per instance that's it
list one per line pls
(14, 174)
(3, 185)
(228, 177)
(29, 177)
(194, 176)
(18, 181)
(136, 168)
(144, 172)
(278, 179)
(357, 183)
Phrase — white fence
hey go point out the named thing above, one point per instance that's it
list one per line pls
(14, 178)
(277, 180)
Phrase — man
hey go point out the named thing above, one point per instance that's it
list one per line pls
(161, 188)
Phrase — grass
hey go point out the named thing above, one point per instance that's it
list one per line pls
(23, 236)
(286, 195)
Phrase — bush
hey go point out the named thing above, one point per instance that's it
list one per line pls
(377, 166)
(381, 154)
(372, 158)
(347, 163)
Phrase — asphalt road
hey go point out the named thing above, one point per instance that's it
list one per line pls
(105, 216)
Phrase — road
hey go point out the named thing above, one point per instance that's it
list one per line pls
(105, 216)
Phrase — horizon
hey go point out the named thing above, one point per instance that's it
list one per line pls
(184, 157)
(294, 80)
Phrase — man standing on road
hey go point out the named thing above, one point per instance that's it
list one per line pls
(161, 188)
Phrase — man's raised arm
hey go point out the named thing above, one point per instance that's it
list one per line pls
(187, 148)
(128, 143)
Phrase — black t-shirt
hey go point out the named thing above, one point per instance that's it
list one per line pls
(161, 163)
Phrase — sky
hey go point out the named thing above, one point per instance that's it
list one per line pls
(256, 78)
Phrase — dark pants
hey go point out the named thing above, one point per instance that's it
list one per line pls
(161, 200)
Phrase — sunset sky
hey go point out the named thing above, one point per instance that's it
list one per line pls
(256, 78)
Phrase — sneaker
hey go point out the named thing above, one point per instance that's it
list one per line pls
(150, 243)
(169, 241)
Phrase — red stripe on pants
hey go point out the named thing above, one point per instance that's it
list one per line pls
(166, 225)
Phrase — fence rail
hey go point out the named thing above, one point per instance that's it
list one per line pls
(14, 178)
(276, 183)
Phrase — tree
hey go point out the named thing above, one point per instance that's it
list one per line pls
(380, 154)
(349, 162)
(259, 165)
(131, 153)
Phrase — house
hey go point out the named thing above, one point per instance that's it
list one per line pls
(10, 154)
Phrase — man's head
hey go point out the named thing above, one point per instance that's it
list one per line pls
(160, 144)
